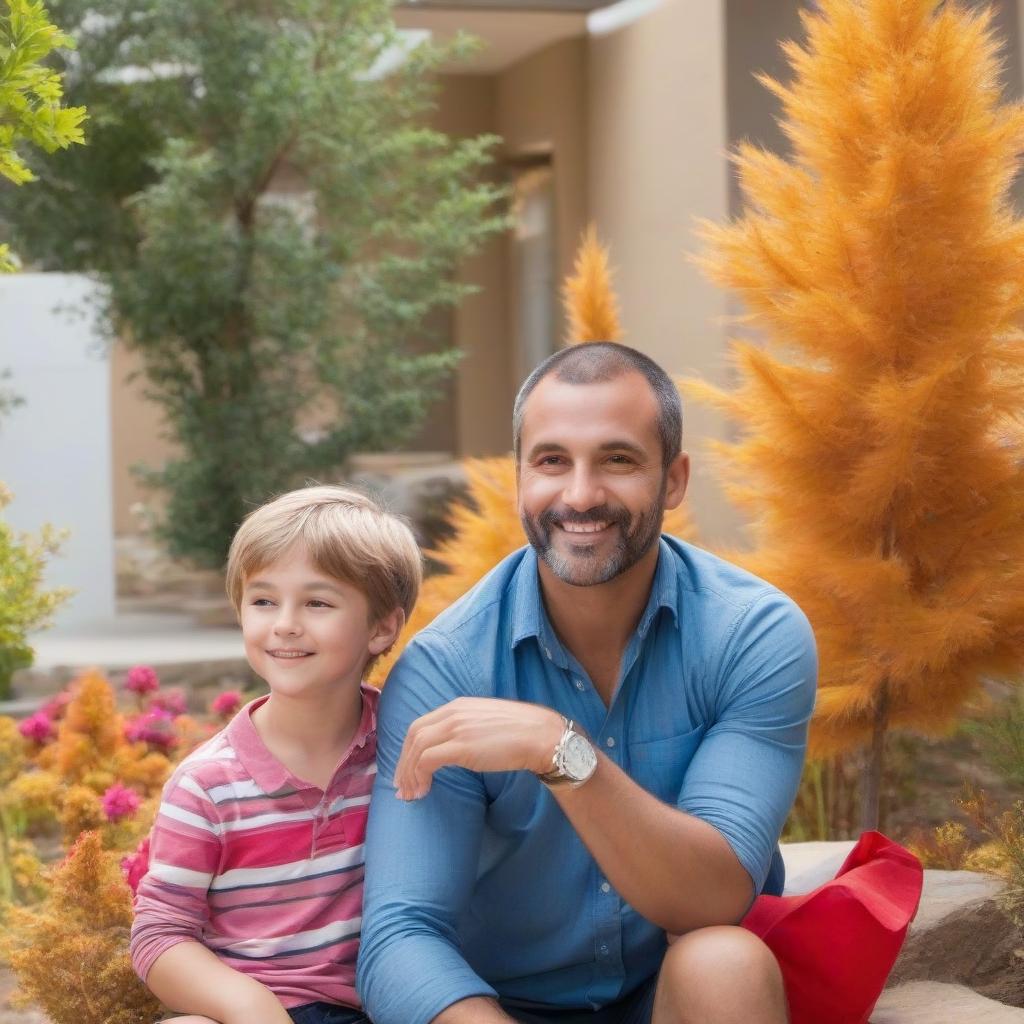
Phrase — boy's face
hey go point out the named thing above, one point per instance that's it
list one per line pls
(306, 632)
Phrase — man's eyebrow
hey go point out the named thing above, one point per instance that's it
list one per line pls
(624, 446)
(544, 447)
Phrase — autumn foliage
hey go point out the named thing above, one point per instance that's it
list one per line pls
(70, 953)
(880, 453)
(486, 527)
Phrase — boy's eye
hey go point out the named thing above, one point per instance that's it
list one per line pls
(317, 603)
(262, 602)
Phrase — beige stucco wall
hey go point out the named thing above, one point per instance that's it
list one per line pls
(537, 106)
(657, 138)
(542, 108)
(136, 428)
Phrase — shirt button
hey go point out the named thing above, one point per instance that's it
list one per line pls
(579, 684)
(547, 651)
(610, 741)
(605, 887)
(604, 951)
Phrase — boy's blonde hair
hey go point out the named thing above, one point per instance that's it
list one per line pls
(349, 536)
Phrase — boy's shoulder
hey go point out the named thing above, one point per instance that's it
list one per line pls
(213, 763)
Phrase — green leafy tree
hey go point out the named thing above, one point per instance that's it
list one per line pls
(30, 93)
(281, 331)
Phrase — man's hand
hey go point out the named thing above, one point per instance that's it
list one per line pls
(483, 734)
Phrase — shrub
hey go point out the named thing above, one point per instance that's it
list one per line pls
(25, 605)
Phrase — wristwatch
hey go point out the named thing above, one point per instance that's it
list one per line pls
(573, 761)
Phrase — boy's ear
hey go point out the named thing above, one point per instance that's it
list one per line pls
(386, 631)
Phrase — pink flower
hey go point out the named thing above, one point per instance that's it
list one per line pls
(38, 727)
(172, 701)
(155, 727)
(141, 679)
(120, 802)
(54, 707)
(227, 703)
(135, 865)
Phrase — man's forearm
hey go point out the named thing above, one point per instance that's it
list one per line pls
(675, 870)
(189, 978)
(477, 1010)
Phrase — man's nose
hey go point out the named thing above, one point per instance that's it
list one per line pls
(583, 490)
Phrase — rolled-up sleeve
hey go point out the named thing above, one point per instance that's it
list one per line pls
(744, 775)
(171, 904)
(421, 855)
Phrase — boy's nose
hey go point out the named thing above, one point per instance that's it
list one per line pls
(287, 625)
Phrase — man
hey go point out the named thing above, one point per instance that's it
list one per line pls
(592, 752)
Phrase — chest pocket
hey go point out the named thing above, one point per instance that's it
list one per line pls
(660, 765)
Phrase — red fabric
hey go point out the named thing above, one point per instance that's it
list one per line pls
(837, 944)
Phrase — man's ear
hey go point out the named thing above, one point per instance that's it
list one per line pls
(677, 476)
(386, 631)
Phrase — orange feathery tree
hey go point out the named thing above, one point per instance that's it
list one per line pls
(881, 455)
(486, 527)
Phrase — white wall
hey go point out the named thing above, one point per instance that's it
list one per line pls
(55, 450)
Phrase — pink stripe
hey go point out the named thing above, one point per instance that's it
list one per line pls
(168, 913)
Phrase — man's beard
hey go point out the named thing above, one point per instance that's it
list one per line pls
(586, 567)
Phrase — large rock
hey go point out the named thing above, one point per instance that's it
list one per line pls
(963, 960)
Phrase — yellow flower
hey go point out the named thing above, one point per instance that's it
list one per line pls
(12, 750)
(34, 795)
(82, 810)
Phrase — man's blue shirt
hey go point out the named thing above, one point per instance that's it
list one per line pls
(483, 887)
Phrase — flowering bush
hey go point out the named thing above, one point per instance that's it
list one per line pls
(142, 680)
(225, 704)
(120, 802)
(70, 953)
(79, 770)
(39, 727)
(154, 727)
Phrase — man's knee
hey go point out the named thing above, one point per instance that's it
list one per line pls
(725, 971)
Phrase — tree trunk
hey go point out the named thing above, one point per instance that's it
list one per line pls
(871, 779)
(871, 776)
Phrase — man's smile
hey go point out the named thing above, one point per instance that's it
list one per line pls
(584, 527)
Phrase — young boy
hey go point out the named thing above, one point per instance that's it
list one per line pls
(250, 910)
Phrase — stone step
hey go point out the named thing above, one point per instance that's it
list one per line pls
(933, 1002)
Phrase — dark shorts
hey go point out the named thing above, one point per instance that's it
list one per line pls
(327, 1013)
(636, 1008)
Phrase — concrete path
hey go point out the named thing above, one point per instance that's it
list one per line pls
(135, 639)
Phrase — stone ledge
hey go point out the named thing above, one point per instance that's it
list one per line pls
(932, 1002)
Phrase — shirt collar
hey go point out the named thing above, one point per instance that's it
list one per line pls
(530, 619)
(266, 771)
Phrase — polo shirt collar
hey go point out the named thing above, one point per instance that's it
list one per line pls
(530, 619)
(265, 770)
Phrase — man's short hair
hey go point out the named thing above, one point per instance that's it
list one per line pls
(349, 536)
(594, 362)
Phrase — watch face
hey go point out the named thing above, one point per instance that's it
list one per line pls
(579, 758)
